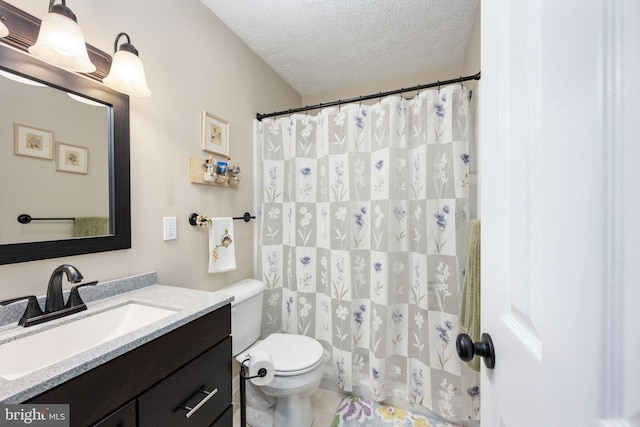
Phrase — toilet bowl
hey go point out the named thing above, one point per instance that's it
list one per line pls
(297, 363)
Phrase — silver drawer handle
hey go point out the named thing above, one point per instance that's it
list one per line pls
(209, 395)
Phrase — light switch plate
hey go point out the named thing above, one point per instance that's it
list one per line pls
(170, 228)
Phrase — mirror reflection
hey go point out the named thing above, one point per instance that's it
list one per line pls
(54, 163)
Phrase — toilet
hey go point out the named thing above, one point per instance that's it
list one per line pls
(297, 361)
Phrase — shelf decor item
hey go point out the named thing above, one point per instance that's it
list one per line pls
(32, 142)
(215, 134)
(207, 172)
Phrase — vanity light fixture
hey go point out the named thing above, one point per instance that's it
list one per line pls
(61, 42)
(4, 31)
(127, 71)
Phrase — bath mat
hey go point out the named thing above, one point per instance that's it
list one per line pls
(354, 411)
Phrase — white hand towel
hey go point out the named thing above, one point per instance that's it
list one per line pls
(222, 254)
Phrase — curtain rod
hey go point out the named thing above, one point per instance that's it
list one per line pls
(372, 96)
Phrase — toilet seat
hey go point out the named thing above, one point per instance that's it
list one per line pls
(291, 354)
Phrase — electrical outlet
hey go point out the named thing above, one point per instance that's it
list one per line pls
(170, 228)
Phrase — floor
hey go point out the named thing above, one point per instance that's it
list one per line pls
(324, 404)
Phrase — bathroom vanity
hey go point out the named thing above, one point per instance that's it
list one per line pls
(155, 382)
(174, 372)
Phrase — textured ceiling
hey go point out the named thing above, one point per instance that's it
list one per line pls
(322, 45)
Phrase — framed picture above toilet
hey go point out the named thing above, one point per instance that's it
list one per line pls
(215, 134)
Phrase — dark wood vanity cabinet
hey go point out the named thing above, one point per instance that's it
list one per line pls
(195, 391)
(156, 383)
(123, 417)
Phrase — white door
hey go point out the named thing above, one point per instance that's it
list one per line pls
(560, 201)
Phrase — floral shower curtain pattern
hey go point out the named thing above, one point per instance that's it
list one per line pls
(363, 243)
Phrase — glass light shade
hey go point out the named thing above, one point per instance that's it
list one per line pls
(127, 75)
(4, 31)
(61, 43)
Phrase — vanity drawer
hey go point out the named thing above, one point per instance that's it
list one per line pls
(164, 404)
(225, 420)
(123, 417)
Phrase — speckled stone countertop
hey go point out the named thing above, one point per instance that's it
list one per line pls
(188, 304)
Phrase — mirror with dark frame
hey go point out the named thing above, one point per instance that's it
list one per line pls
(103, 129)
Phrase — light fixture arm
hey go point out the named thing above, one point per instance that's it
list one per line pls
(62, 9)
(125, 46)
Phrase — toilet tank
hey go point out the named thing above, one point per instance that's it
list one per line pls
(246, 312)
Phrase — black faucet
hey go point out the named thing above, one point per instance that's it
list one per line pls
(54, 305)
(55, 301)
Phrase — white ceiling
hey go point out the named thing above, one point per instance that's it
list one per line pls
(323, 45)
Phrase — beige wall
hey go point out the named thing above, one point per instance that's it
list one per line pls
(193, 63)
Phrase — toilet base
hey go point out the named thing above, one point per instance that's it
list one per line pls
(256, 418)
(290, 411)
(293, 411)
(291, 397)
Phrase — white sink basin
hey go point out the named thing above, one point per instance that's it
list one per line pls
(30, 353)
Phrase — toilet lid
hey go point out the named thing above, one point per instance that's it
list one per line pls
(291, 353)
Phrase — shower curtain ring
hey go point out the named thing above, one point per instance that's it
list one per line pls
(461, 85)
(438, 86)
(339, 105)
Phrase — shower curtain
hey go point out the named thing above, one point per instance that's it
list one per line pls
(363, 243)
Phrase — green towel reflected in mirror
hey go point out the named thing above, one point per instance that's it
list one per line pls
(86, 226)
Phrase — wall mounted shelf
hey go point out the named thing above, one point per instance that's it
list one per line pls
(197, 170)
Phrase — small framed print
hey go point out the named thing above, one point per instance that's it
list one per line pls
(215, 134)
(71, 158)
(32, 142)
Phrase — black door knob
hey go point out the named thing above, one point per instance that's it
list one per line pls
(467, 349)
